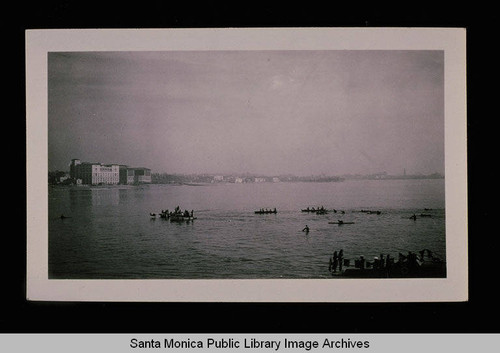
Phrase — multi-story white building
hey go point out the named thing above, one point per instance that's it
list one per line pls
(95, 173)
(107, 174)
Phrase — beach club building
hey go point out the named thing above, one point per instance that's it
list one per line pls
(87, 173)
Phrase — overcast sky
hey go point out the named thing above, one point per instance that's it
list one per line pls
(268, 112)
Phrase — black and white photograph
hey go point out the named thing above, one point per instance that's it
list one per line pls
(269, 165)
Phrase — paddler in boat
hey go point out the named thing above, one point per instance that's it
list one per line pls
(306, 229)
(341, 221)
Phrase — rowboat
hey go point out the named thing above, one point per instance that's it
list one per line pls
(266, 212)
(177, 218)
(315, 210)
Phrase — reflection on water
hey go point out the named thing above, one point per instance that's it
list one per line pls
(111, 235)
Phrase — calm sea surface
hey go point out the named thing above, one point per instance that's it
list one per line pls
(110, 234)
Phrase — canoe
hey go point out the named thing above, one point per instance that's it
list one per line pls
(340, 223)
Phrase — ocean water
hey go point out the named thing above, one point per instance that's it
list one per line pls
(110, 234)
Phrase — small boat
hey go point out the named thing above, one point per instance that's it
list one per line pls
(319, 210)
(266, 211)
(340, 222)
(310, 210)
(370, 212)
(181, 218)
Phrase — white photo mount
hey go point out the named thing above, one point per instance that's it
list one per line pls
(453, 288)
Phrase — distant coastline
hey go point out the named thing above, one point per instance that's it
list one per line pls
(201, 179)
(385, 176)
(57, 178)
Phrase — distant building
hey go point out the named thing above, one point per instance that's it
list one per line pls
(107, 174)
(138, 176)
(64, 178)
(276, 180)
(238, 180)
(94, 173)
(259, 180)
(59, 177)
(218, 178)
(123, 174)
(73, 168)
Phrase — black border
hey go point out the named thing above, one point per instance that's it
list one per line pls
(21, 316)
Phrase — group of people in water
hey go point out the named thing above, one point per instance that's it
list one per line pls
(378, 263)
(405, 263)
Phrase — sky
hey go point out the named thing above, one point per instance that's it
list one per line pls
(330, 112)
